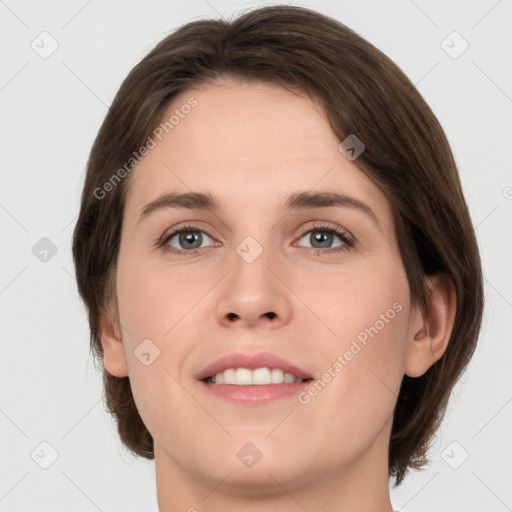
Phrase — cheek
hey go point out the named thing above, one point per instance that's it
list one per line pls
(367, 315)
(363, 367)
(153, 302)
(153, 299)
(357, 303)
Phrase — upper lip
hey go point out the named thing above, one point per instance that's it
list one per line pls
(251, 361)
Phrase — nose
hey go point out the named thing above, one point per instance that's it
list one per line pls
(254, 294)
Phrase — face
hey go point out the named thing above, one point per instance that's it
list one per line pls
(315, 289)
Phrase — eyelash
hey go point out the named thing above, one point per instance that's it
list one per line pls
(347, 239)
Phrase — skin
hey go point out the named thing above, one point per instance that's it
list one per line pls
(251, 145)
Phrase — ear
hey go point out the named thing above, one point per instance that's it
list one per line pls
(429, 336)
(114, 358)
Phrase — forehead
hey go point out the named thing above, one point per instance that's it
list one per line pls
(251, 144)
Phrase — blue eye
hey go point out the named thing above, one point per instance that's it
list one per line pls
(189, 237)
(322, 237)
(190, 240)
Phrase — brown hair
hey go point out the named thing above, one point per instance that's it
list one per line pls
(362, 92)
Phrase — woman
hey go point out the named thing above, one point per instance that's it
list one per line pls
(281, 275)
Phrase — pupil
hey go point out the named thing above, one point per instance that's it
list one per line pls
(190, 238)
(322, 235)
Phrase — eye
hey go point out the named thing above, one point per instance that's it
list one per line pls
(322, 238)
(188, 239)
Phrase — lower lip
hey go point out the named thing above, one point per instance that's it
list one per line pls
(254, 395)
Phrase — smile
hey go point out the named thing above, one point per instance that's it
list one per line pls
(255, 377)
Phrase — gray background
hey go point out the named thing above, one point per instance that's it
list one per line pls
(51, 109)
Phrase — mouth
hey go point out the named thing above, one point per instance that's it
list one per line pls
(253, 379)
(257, 377)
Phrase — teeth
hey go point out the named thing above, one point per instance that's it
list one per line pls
(256, 377)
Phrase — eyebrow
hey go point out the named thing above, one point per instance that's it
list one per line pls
(301, 200)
